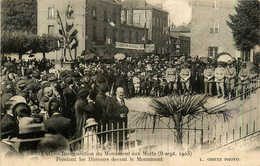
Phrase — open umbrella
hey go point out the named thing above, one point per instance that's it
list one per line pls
(119, 56)
(89, 56)
(224, 58)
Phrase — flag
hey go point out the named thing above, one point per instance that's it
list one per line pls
(71, 34)
(73, 43)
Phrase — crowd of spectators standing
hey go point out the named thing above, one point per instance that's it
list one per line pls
(92, 94)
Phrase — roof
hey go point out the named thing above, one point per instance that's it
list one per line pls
(140, 5)
(179, 35)
(181, 28)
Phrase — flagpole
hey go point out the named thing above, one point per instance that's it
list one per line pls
(63, 31)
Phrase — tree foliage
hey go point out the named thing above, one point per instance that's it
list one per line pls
(44, 44)
(22, 42)
(19, 15)
(182, 110)
(245, 24)
(16, 42)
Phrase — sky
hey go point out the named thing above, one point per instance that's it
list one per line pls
(179, 10)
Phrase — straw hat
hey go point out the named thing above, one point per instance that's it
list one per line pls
(30, 132)
(90, 122)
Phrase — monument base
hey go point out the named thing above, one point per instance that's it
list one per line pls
(67, 65)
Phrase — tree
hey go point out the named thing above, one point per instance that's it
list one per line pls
(182, 110)
(16, 42)
(245, 24)
(19, 15)
(44, 44)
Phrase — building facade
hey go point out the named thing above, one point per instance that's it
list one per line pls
(143, 14)
(210, 33)
(98, 23)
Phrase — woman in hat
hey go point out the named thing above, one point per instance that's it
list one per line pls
(91, 140)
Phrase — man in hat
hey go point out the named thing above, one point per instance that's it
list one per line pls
(244, 76)
(17, 108)
(219, 79)
(208, 79)
(136, 82)
(116, 113)
(84, 109)
(171, 77)
(57, 124)
(230, 75)
(185, 75)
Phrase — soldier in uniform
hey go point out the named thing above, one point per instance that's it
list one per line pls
(185, 75)
(208, 79)
(230, 74)
(171, 78)
(219, 79)
(244, 75)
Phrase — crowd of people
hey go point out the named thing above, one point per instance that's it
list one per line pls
(37, 99)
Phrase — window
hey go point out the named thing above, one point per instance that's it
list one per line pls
(50, 29)
(137, 37)
(245, 55)
(94, 33)
(114, 17)
(154, 20)
(122, 36)
(94, 13)
(213, 51)
(114, 35)
(105, 34)
(105, 15)
(214, 4)
(130, 36)
(214, 26)
(51, 12)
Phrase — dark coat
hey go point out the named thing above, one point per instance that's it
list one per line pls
(59, 125)
(101, 105)
(113, 115)
(9, 126)
(83, 111)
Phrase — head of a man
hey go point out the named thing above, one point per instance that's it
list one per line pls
(120, 92)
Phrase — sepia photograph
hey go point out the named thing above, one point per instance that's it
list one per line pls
(130, 82)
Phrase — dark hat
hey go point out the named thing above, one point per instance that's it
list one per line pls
(76, 75)
(100, 78)
(45, 77)
(124, 110)
(104, 88)
(63, 74)
(22, 110)
(29, 72)
(69, 80)
(36, 75)
(83, 92)
(52, 79)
